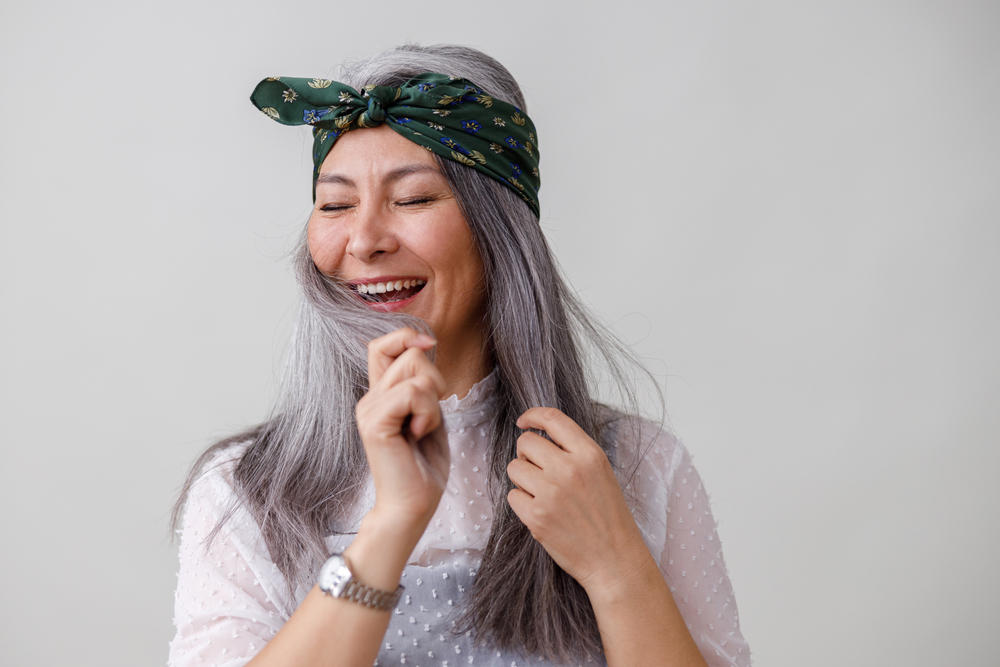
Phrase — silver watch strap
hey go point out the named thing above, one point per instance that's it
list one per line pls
(336, 579)
(374, 598)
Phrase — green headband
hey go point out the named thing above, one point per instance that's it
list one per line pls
(444, 114)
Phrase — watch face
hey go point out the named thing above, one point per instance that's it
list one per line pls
(334, 576)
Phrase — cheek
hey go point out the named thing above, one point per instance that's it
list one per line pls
(326, 248)
(466, 255)
(451, 242)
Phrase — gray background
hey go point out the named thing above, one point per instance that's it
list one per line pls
(791, 210)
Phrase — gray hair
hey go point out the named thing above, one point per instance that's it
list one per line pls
(303, 469)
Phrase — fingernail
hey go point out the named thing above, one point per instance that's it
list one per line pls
(424, 339)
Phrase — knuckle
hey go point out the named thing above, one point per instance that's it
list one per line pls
(364, 412)
(406, 362)
(421, 383)
(413, 354)
(363, 407)
(412, 390)
(426, 384)
(573, 477)
(376, 344)
(515, 505)
(594, 458)
(540, 519)
(550, 414)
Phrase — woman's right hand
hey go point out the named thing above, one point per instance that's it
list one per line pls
(400, 413)
(401, 406)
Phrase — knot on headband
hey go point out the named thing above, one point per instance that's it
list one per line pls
(448, 116)
(375, 113)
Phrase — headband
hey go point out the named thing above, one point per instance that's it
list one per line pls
(447, 115)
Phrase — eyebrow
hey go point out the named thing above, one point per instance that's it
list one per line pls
(394, 175)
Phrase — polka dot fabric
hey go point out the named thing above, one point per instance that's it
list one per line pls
(223, 613)
(231, 598)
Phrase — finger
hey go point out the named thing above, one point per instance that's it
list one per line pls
(541, 452)
(526, 476)
(421, 400)
(383, 416)
(383, 350)
(434, 447)
(520, 502)
(411, 363)
(564, 431)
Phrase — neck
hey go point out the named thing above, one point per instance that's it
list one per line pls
(462, 366)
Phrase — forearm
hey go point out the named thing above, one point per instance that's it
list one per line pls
(327, 631)
(639, 621)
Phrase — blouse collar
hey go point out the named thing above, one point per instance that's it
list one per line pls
(478, 406)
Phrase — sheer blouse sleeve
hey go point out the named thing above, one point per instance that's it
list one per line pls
(231, 600)
(222, 612)
(675, 517)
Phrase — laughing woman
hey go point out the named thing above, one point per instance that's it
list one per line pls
(437, 485)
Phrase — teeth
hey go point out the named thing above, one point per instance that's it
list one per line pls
(382, 288)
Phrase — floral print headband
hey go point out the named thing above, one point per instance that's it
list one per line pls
(447, 115)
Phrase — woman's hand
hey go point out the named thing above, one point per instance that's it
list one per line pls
(570, 499)
(398, 420)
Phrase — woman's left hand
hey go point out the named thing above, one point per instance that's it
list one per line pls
(569, 498)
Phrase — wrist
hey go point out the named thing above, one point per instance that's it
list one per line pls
(381, 548)
(337, 580)
(625, 580)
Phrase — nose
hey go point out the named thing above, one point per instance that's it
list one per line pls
(371, 235)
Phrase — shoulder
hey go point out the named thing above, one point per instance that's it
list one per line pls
(209, 493)
(215, 514)
(643, 447)
(213, 474)
(655, 473)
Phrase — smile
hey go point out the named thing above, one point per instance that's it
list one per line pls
(389, 291)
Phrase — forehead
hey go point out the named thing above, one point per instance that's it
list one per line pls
(374, 150)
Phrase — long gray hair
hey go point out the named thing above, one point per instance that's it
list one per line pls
(304, 467)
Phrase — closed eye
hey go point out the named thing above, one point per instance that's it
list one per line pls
(418, 200)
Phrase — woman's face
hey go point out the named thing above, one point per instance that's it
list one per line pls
(387, 223)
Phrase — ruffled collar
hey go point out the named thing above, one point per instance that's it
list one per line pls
(478, 406)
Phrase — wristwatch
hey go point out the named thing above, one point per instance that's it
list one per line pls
(336, 579)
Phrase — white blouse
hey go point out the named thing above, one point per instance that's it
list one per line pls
(231, 598)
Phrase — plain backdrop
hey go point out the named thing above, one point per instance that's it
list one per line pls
(790, 209)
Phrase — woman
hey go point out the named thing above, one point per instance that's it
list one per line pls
(460, 534)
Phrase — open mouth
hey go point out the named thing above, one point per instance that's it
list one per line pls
(388, 292)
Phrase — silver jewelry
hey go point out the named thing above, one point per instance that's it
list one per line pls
(336, 579)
